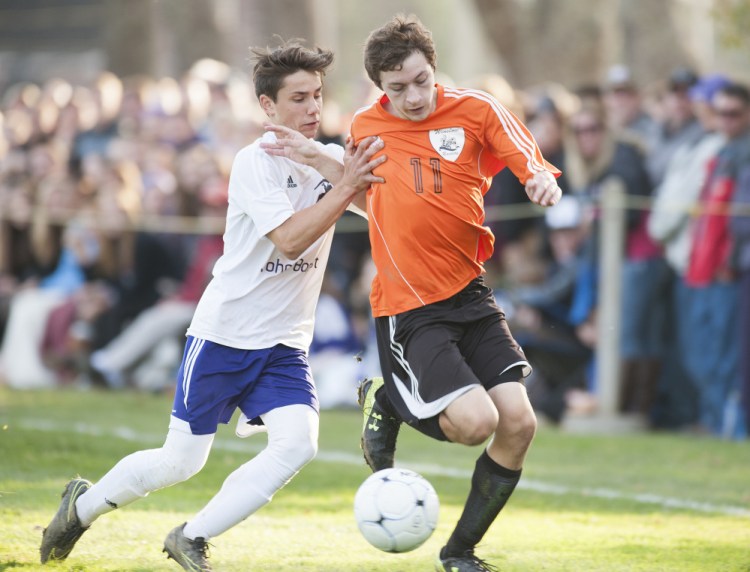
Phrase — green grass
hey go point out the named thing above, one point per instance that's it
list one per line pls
(587, 503)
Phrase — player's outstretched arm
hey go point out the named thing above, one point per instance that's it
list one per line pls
(298, 232)
(298, 148)
(542, 189)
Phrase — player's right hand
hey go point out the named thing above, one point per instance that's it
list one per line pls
(290, 144)
(360, 162)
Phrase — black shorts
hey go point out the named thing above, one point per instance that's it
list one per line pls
(431, 355)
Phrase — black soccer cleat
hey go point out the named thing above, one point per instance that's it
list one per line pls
(379, 429)
(190, 554)
(62, 533)
(466, 562)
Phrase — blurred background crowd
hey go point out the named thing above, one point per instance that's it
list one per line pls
(113, 196)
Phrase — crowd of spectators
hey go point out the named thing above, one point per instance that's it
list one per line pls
(680, 154)
(112, 203)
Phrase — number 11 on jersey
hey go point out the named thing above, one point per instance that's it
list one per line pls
(437, 178)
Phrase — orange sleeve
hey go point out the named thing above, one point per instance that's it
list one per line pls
(510, 141)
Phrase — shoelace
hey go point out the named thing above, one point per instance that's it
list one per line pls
(484, 565)
(200, 545)
(481, 564)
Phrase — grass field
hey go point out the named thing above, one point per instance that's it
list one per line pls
(631, 503)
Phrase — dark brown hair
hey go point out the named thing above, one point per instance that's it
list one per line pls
(387, 47)
(736, 91)
(272, 65)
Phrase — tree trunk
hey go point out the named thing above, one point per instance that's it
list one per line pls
(574, 42)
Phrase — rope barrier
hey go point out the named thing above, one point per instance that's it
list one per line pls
(494, 213)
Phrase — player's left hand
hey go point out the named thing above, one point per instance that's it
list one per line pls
(290, 144)
(542, 189)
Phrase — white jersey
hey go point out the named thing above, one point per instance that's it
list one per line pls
(257, 297)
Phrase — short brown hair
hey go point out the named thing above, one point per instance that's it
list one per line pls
(272, 65)
(387, 47)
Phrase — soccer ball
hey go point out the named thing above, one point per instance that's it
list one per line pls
(396, 510)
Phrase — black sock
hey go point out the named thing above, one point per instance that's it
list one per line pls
(491, 485)
(384, 403)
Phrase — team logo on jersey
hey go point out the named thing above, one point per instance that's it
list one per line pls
(325, 186)
(449, 142)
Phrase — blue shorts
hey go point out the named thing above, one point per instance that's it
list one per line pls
(214, 380)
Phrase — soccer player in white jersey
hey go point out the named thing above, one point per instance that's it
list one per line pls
(247, 344)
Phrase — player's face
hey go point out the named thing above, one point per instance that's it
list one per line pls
(411, 89)
(298, 103)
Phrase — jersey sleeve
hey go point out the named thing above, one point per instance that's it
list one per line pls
(357, 126)
(334, 151)
(255, 184)
(337, 152)
(512, 144)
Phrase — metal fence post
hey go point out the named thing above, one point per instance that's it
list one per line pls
(610, 260)
(611, 248)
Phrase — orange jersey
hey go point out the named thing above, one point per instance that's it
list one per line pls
(426, 221)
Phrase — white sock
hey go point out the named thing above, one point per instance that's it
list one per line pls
(182, 455)
(292, 443)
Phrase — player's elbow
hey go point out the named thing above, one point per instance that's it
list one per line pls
(288, 243)
(291, 251)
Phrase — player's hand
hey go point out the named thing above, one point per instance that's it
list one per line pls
(542, 189)
(291, 144)
(360, 162)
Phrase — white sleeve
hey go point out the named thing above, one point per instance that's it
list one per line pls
(255, 184)
(356, 210)
(337, 152)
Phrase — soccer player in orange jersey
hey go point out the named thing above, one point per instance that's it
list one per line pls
(451, 368)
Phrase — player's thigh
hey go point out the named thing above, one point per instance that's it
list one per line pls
(286, 379)
(436, 360)
(492, 353)
(212, 380)
(473, 412)
(422, 366)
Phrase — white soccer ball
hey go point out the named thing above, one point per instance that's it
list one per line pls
(396, 509)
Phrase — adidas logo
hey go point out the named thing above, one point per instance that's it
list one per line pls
(290, 184)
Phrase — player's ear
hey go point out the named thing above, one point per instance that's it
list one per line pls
(267, 105)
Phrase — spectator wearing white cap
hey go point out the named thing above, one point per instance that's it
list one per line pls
(543, 320)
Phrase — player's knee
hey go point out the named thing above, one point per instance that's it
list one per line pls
(294, 453)
(182, 456)
(304, 450)
(519, 425)
(166, 468)
(527, 427)
(184, 466)
(477, 429)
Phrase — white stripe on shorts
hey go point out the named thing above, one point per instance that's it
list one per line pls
(413, 400)
(193, 352)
